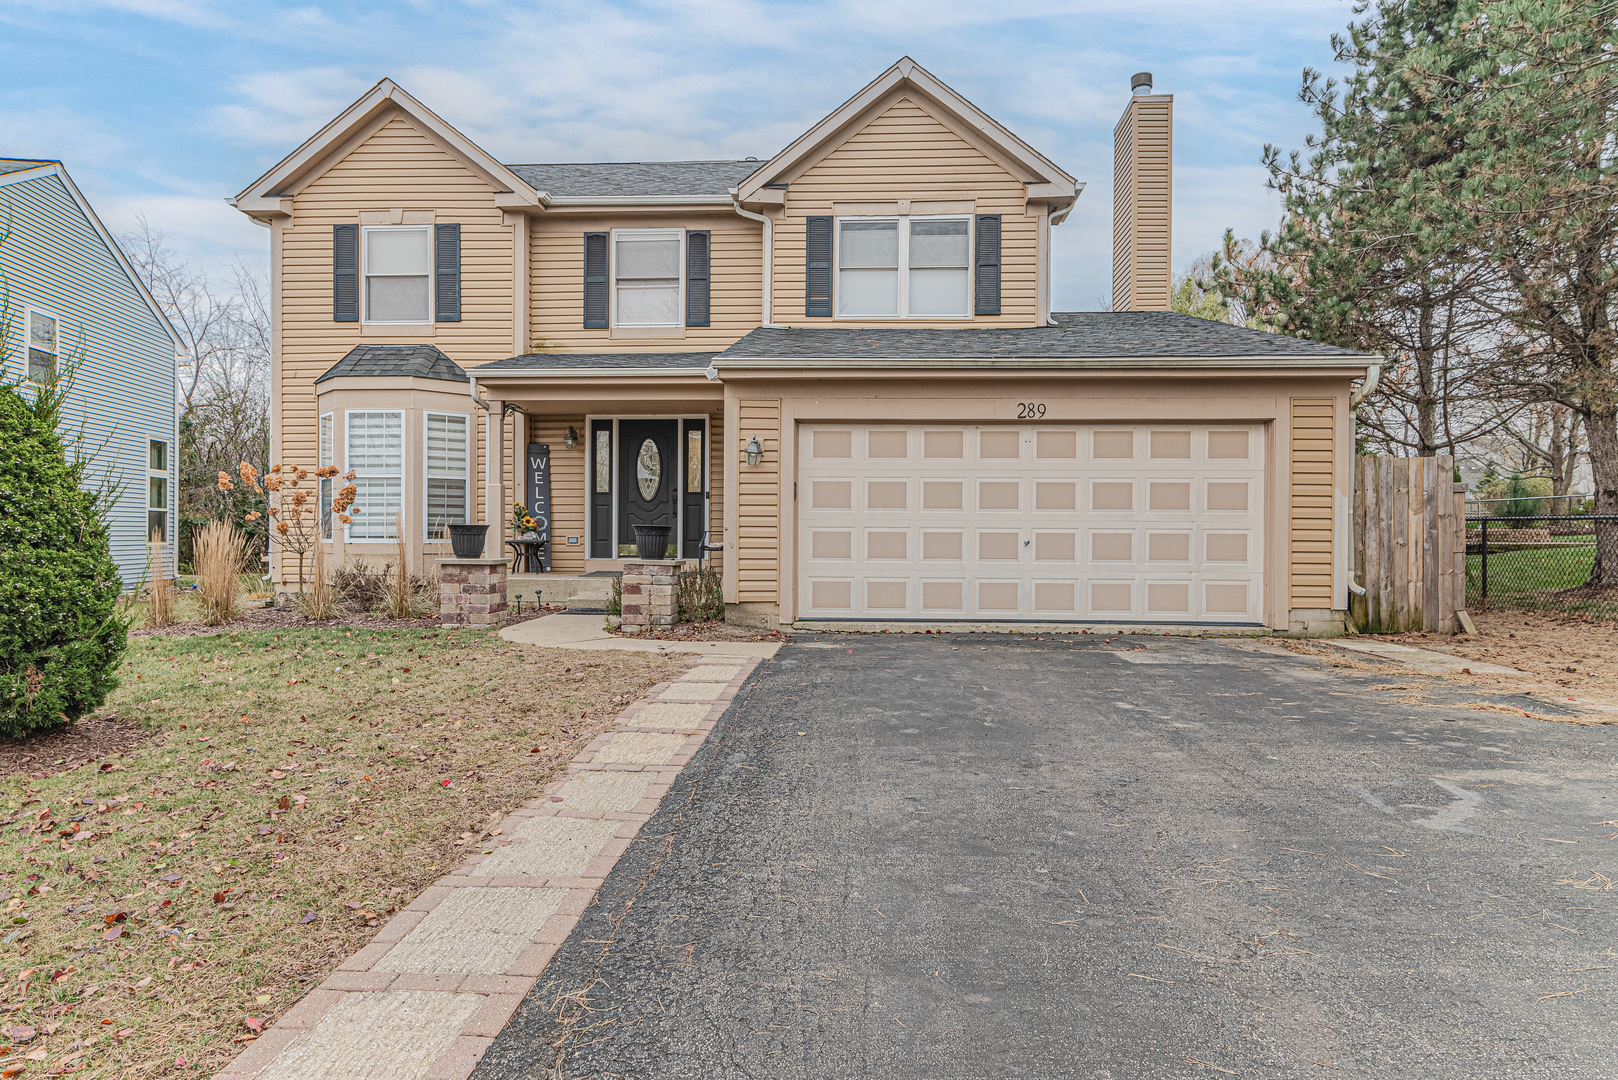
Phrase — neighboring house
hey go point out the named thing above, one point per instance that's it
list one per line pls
(836, 366)
(71, 305)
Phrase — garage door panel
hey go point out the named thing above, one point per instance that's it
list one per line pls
(1156, 522)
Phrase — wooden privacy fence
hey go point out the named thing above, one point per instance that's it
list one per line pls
(1409, 529)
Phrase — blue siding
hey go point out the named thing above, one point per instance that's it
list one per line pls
(123, 393)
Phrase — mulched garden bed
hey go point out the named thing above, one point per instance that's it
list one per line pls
(289, 618)
(47, 753)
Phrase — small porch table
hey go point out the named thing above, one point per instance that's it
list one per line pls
(527, 556)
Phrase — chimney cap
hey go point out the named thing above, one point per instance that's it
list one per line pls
(1140, 82)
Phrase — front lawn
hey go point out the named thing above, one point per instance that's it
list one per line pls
(298, 787)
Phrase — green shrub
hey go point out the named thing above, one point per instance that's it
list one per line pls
(1522, 504)
(61, 634)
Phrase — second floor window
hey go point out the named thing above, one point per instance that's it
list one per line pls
(646, 277)
(903, 266)
(42, 347)
(398, 265)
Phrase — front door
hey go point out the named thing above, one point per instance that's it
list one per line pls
(648, 478)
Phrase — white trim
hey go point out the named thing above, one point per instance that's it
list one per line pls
(404, 441)
(365, 275)
(28, 311)
(903, 268)
(634, 235)
(426, 473)
(634, 200)
(168, 489)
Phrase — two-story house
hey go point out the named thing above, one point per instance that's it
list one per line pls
(834, 371)
(73, 308)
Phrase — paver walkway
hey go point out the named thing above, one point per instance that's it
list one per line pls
(424, 1000)
(586, 632)
(967, 857)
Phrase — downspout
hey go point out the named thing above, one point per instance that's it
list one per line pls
(1373, 374)
(769, 253)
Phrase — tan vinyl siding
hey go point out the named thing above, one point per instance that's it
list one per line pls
(397, 166)
(1142, 177)
(758, 511)
(567, 488)
(905, 152)
(556, 283)
(1311, 498)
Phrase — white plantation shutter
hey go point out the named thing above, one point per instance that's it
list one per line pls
(376, 455)
(448, 471)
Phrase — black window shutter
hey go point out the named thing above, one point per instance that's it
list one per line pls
(698, 277)
(345, 273)
(817, 268)
(986, 289)
(595, 281)
(447, 273)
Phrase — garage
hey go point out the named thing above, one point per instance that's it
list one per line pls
(1158, 523)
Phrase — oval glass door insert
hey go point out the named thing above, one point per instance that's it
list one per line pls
(648, 470)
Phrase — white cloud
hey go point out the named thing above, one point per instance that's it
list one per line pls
(283, 108)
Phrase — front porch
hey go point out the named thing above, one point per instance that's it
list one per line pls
(591, 450)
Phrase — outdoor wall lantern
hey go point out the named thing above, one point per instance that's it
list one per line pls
(571, 439)
(753, 453)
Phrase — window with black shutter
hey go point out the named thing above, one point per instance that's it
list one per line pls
(986, 287)
(595, 281)
(698, 277)
(447, 273)
(345, 273)
(817, 267)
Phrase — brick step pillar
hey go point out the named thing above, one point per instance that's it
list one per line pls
(471, 592)
(650, 595)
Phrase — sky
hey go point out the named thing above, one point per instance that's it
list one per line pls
(167, 108)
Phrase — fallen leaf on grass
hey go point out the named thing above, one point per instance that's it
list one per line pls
(254, 1025)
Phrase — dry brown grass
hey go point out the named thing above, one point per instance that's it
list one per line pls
(220, 553)
(400, 600)
(318, 600)
(300, 786)
(159, 591)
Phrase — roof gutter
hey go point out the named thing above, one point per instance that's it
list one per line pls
(547, 199)
(1373, 375)
(1037, 362)
(769, 253)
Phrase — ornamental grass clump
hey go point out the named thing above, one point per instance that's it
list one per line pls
(62, 636)
(159, 591)
(220, 551)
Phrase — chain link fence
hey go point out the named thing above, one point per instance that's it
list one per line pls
(1538, 564)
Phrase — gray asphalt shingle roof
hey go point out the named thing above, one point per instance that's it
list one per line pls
(626, 178)
(585, 361)
(415, 361)
(1079, 334)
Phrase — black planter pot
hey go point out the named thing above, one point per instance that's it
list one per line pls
(652, 541)
(467, 540)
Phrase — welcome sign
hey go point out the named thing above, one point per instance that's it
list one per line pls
(539, 495)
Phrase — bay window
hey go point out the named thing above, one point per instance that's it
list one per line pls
(376, 456)
(449, 458)
(897, 267)
(327, 448)
(397, 267)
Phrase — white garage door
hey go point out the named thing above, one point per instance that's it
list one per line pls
(1156, 523)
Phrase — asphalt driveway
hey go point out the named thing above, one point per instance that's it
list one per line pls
(1138, 857)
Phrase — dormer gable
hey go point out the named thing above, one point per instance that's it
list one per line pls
(269, 197)
(907, 81)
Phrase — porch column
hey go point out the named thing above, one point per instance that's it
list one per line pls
(496, 505)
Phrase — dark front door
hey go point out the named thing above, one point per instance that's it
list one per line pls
(694, 484)
(648, 478)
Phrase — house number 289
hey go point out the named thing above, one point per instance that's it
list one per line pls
(1030, 410)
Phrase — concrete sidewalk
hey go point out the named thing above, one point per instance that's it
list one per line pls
(1425, 660)
(425, 999)
(586, 632)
